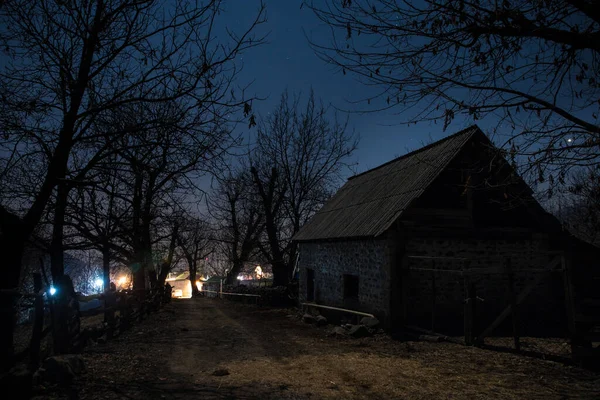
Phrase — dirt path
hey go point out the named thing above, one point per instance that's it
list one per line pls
(211, 349)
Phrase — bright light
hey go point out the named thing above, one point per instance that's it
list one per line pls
(98, 282)
(122, 280)
(258, 271)
(52, 291)
(569, 140)
(240, 278)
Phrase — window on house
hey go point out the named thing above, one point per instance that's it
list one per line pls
(350, 286)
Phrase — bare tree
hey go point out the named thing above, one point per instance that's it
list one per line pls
(161, 163)
(66, 65)
(239, 216)
(194, 241)
(169, 259)
(532, 66)
(297, 164)
(216, 265)
(580, 210)
(95, 219)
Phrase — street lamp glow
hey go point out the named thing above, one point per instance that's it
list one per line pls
(98, 282)
(52, 291)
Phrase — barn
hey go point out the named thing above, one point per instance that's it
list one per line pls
(447, 237)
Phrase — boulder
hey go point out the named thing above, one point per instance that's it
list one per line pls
(93, 332)
(62, 369)
(309, 319)
(38, 377)
(321, 320)
(431, 338)
(369, 322)
(359, 331)
(338, 331)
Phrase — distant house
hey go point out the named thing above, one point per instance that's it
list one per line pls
(180, 284)
(383, 241)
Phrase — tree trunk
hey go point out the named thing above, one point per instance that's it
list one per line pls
(137, 267)
(146, 219)
(139, 273)
(11, 248)
(106, 267)
(281, 273)
(152, 277)
(193, 271)
(165, 266)
(162, 276)
(60, 331)
(234, 272)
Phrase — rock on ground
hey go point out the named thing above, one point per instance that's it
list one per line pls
(369, 322)
(309, 319)
(338, 331)
(359, 331)
(62, 369)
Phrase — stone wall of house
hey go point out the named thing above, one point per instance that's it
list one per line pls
(543, 308)
(368, 259)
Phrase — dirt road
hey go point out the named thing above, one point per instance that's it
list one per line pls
(212, 349)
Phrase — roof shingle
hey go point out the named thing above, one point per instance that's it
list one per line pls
(369, 203)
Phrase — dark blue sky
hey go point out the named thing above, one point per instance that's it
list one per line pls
(287, 61)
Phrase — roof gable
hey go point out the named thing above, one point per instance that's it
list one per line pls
(369, 203)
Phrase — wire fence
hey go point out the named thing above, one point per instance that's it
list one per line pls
(495, 307)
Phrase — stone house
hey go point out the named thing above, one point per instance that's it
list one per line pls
(454, 205)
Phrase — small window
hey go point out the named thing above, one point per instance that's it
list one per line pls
(350, 286)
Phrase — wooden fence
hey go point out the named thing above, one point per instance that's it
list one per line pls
(529, 311)
(121, 310)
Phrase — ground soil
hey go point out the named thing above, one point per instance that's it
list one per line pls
(214, 349)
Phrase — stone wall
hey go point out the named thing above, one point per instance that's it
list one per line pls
(369, 259)
(543, 308)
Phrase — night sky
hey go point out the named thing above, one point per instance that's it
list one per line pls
(287, 61)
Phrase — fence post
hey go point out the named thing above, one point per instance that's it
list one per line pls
(38, 322)
(513, 303)
(221, 289)
(404, 285)
(433, 294)
(110, 303)
(569, 303)
(469, 306)
(469, 311)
